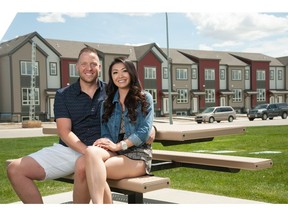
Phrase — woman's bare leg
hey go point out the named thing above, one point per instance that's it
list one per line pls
(120, 167)
(107, 194)
(96, 172)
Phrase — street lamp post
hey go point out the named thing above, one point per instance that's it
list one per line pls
(169, 74)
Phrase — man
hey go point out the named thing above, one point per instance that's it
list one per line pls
(77, 114)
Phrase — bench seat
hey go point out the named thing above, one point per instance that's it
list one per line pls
(133, 187)
(225, 161)
(140, 184)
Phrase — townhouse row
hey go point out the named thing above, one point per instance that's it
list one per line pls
(199, 79)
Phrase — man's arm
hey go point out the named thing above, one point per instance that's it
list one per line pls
(67, 136)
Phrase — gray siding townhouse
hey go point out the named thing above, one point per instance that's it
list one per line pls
(15, 77)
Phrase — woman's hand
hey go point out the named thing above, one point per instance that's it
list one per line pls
(107, 144)
(152, 136)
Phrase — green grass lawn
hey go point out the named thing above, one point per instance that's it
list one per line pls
(268, 185)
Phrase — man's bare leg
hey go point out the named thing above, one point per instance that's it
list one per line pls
(80, 190)
(22, 172)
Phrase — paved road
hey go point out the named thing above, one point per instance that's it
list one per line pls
(241, 121)
(15, 129)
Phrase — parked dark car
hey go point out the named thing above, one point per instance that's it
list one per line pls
(270, 111)
(218, 113)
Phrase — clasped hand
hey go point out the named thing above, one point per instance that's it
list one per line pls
(106, 144)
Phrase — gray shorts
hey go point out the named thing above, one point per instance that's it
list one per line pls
(57, 160)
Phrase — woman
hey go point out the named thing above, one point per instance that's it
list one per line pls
(127, 120)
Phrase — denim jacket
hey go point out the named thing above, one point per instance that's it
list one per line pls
(137, 132)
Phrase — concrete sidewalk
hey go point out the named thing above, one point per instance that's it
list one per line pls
(163, 196)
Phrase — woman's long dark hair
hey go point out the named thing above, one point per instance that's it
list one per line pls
(133, 97)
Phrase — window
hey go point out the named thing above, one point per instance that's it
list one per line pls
(26, 68)
(150, 72)
(247, 74)
(260, 75)
(237, 97)
(194, 73)
(153, 92)
(181, 113)
(280, 75)
(236, 74)
(182, 96)
(222, 74)
(72, 70)
(261, 95)
(209, 74)
(53, 69)
(165, 73)
(272, 74)
(26, 96)
(181, 74)
(100, 71)
(210, 95)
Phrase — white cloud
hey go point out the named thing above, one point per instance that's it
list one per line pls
(139, 14)
(205, 47)
(275, 48)
(238, 26)
(227, 44)
(58, 17)
(262, 33)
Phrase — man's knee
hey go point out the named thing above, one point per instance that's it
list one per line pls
(12, 169)
(80, 168)
(25, 167)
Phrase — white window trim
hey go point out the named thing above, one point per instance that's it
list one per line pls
(209, 74)
(150, 72)
(153, 92)
(181, 73)
(210, 95)
(182, 96)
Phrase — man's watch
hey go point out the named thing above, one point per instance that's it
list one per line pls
(124, 145)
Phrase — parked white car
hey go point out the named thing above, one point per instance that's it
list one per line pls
(217, 113)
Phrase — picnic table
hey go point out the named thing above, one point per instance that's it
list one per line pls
(174, 134)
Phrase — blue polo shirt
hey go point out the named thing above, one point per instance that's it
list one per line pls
(84, 112)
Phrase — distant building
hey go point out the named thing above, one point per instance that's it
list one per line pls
(198, 78)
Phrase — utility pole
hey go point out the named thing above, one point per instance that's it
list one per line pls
(169, 74)
(32, 84)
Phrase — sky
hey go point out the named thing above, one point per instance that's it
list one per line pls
(234, 29)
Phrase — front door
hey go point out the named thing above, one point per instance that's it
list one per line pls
(165, 106)
(222, 101)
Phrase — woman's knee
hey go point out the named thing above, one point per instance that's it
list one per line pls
(91, 151)
(95, 152)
